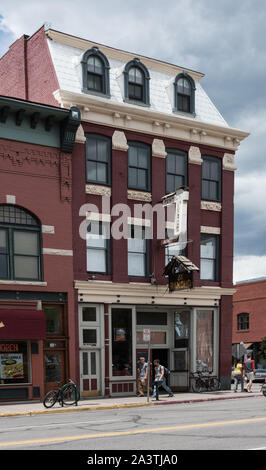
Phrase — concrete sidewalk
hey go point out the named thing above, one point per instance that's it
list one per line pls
(35, 408)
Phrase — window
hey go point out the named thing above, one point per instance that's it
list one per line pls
(184, 89)
(209, 250)
(137, 252)
(139, 166)
(137, 78)
(14, 362)
(121, 342)
(20, 244)
(151, 318)
(182, 329)
(98, 247)
(98, 159)
(243, 321)
(176, 170)
(211, 178)
(205, 340)
(95, 72)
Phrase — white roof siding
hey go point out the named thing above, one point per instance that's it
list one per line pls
(67, 63)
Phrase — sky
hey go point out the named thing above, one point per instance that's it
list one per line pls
(224, 39)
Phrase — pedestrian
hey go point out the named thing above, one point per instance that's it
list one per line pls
(238, 375)
(160, 376)
(142, 376)
(249, 366)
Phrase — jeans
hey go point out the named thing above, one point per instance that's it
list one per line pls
(238, 378)
(164, 385)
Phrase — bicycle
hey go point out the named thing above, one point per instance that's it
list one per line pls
(201, 383)
(68, 394)
(263, 388)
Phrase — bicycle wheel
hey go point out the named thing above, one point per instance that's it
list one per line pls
(70, 394)
(198, 386)
(215, 384)
(50, 399)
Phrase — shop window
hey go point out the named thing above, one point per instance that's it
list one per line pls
(209, 257)
(121, 342)
(204, 344)
(182, 328)
(243, 321)
(211, 178)
(98, 159)
(137, 251)
(139, 166)
(176, 170)
(20, 244)
(14, 362)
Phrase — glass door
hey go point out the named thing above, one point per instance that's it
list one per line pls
(54, 367)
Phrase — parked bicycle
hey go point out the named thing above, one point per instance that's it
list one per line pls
(68, 394)
(263, 388)
(204, 383)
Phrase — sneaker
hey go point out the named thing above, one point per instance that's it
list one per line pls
(171, 395)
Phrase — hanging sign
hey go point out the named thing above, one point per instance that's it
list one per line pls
(146, 335)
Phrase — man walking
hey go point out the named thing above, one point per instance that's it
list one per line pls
(142, 377)
(249, 366)
(160, 376)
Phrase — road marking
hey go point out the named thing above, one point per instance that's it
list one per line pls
(128, 433)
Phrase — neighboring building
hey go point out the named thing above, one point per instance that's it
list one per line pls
(249, 317)
(36, 257)
(148, 127)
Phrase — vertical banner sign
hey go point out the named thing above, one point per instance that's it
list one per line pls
(147, 339)
(180, 199)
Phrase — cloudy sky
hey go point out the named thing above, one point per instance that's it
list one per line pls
(226, 40)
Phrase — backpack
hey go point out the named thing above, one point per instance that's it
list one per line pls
(166, 371)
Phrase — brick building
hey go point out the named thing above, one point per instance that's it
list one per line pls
(249, 317)
(36, 257)
(147, 128)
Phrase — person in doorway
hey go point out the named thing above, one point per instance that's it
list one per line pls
(159, 376)
(238, 375)
(142, 376)
(249, 366)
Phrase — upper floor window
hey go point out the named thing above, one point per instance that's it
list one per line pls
(139, 166)
(211, 178)
(20, 244)
(98, 247)
(209, 257)
(176, 170)
(137, 251)
(184, 88)
(137, 79)
(243, 321)
(96, 72)
(98, 159)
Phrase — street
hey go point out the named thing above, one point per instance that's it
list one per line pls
(238, 424)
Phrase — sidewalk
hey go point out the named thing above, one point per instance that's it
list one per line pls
(92, 404)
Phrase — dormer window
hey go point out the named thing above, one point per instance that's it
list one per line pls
(95, 72)
(184, 89)
(137, 83)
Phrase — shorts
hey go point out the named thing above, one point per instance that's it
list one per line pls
(250, 375)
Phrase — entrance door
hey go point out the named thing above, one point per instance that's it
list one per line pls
(90, 383)
(54, 366)
(179, 378)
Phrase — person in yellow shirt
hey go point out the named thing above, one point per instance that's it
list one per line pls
(238, 375)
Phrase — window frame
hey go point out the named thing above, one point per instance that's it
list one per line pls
(243, 320)
(106, 139)
(178, 153)
(216, 260)
(94, 51)
(205, 159)
(148, 169)
(145, 253)
(106, 249)
(136, 63)
(10, 228)
(186, 76)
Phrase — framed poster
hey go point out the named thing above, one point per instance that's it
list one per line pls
(11, 366)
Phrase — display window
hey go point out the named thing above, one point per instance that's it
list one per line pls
(122, 342)
(14, 362)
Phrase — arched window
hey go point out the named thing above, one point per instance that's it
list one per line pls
(95, 72)
(243, 321)
(184, 88)
(137, 82)
(20, 244)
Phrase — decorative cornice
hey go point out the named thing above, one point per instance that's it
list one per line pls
(98, 190)
(158, 148)
(98, 110)
(229, 162)
(139, 195)
(194, 155)
(211, 230)
(119, 141)
(211, 206)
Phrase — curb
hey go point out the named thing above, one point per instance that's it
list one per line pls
(128, 405)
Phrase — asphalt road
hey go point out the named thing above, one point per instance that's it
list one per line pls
(238, 424)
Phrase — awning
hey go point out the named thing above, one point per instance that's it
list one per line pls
(22, 324)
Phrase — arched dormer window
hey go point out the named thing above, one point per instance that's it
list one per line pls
(95, 72)
(20, 244)
(137, 82)
(184, 89)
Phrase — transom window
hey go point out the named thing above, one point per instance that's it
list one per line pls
(139, 166)
(98, 159)
(211, 178)
(176, 170)
(95, 72)
(20, 244)
(243, 321)
(184, 87)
